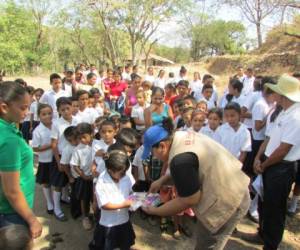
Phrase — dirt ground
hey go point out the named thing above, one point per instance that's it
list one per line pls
(71, 236)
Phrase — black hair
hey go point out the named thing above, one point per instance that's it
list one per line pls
(216, 111)
(42, 106)
(108, 123)
(63, 101)
(124, 119)
(135, 67)
(170, 86)
(116, 159)
(38, 90)
(207, 76)
(54, 76)
(236, 84)
(135, 76)
(128, 137)
(73, 98)
(90, 75)
(296, 74)
(84, 128)
(275, 113)
(127, 66)
(118, 72)
(168, 125)
(233, 106)
(15, 237)
(70, 132)
(179, 102)
(21, 81)
(190, 98)
(183, 83)
(157, 89)
(182, 70)
(94, 91)
(30, 90)
(207, 86)
(11, 91)
(171, 74)
(80, 93)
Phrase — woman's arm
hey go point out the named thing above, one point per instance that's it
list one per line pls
(10, 182)
(137, 121)
(242, 156)
(148, 118)
(170, 112)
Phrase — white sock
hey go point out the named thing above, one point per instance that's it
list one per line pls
(65, 193)
(56, 200)
(47, 194)
(253, 205)
(294, 203)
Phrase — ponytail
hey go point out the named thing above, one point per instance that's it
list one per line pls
(168, 125)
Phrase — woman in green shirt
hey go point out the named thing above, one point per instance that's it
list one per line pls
(17, 180)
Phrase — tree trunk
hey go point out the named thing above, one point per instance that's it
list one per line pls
(133, 50)
(259, 35)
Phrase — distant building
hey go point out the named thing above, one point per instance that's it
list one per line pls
(153, 60)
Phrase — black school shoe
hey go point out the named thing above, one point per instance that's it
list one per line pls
(50, 211)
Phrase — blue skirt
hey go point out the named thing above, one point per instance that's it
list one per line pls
(109, 238)
(43, 172)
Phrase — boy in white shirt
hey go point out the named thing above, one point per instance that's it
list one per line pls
(85, 114)
(137, 112)
(150, 76)
(234, 135)
(207, 92)
(59, 142)
(51, 96)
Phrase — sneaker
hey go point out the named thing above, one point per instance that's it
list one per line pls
(86, 223)
(254, 217)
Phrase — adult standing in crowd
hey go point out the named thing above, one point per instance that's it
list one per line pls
(276, 161)
(17, 180)
(158, 110)
(200, 184)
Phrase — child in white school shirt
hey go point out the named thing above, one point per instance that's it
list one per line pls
(41, 143)
(70, 134)
(51, 96)
(137, 112)
(215, 117)
(85, 113)
(234, 135)
(81, 162)
(59, 178)
(113, 188)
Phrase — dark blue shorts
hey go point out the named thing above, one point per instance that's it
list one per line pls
(9, 219)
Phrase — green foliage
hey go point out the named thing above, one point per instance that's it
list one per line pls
(217, 37)
(176, 54)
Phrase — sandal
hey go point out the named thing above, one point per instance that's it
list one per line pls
(61, 217)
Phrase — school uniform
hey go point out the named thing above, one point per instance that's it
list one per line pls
(65, 159)
(198, 94)
(196, 86)
(50, 97)
(82, 158)
(88, 115)
(114, 229)
(206, 130)
(260, 111)
(279, 177)
(126, 77)
(160, 82)
(142, 185)
(96, 146)
(41, 137)
(247, 85)
(248, 103)
(234, 141)
(149, 78)
(59, 179)
(239, 99)
(34, 111)
(138, 112)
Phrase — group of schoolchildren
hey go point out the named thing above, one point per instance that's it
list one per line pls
(90, 152)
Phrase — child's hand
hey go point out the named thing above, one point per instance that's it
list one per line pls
(71, 180)
(60, 167)
(149, 210)
(128, 203)
(100, 153)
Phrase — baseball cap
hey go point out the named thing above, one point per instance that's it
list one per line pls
(152, 136)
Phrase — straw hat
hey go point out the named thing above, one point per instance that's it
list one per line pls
(287, 86)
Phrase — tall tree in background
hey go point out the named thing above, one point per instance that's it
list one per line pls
(256, 11)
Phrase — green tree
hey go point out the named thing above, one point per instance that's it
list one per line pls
(217, 37)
